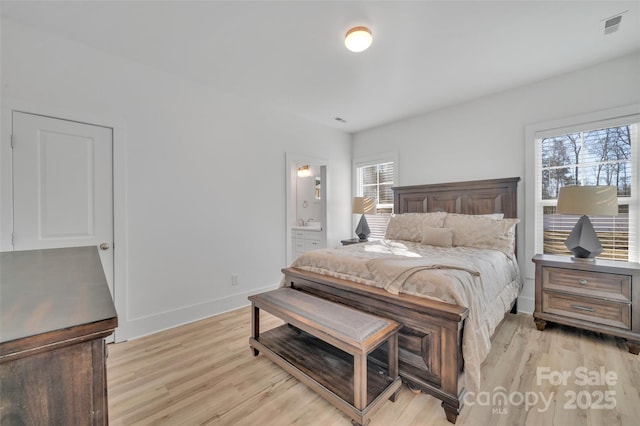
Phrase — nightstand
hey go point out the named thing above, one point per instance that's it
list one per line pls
(352, 241)
(601, 296)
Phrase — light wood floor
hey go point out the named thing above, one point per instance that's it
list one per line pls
(204, 373)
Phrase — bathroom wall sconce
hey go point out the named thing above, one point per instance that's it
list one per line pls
(304, 171)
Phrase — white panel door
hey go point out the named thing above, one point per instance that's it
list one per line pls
(63, 186)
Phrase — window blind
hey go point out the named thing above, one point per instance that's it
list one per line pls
(375, 181)
(600, 153)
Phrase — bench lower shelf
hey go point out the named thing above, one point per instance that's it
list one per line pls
(324, 368)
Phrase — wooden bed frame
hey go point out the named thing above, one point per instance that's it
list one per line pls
(430, 342)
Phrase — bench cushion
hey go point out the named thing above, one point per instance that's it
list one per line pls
(354, 324)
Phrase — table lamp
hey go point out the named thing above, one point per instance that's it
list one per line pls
(583, 242)
(363, 205)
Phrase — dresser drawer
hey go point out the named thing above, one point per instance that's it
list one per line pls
(312, 245)
(616, 314)
(304, 241)
(298, 245)
(307, 235)
(587, 283)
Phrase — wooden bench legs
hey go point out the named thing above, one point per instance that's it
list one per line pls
(255, 326)
(360, 381)
(393, 362)
(360, 374)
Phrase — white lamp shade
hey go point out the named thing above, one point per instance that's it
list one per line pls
(358, 39)
(363, 205)
(588, 200)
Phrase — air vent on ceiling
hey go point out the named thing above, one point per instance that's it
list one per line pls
(612, 25)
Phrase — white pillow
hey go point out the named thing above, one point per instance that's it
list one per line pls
(441, 237)
(483, 232)
(496, 216)
(408, 226)
(488, 215)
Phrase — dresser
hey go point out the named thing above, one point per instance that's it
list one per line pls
(307, 239)
(600, 295)
(56, 310)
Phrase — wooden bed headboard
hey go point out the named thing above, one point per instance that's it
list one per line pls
(471, 197)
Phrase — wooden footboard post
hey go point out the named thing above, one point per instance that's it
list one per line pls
(452, 382)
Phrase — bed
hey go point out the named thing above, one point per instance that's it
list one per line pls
(441, 330)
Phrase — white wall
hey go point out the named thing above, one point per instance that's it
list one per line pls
(203, 173)
(485, 138)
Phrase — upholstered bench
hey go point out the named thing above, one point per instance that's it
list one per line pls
(325, 345)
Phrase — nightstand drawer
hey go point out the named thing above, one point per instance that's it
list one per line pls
(584, 308)
(586, 283)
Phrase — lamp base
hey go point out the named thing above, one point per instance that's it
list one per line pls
(362, 230)
(583, 259)
(583, 242)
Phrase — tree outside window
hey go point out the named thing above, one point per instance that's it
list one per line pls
(595, 157)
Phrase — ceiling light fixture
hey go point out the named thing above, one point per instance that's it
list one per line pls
(358, 39)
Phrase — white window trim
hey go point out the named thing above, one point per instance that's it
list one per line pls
(609, 118)
(370, 160)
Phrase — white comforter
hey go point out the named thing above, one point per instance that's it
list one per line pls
(485, 281)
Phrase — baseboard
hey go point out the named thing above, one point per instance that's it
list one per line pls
(139, 327)
(526, 305)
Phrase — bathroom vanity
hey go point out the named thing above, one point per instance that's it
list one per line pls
(306, 238)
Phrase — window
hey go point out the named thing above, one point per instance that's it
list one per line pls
(602, 153)
(375, 178)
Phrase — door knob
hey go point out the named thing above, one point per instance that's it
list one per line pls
(104, 246)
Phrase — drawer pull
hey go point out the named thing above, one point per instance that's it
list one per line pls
(583, 282)
(583, 308)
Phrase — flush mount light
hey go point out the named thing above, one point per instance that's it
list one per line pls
(358, 39)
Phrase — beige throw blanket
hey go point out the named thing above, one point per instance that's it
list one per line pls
(391, 273)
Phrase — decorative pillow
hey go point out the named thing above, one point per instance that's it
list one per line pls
(483, 232)
(493, 215)
(408, 226)
(442, 237)
(488, 215)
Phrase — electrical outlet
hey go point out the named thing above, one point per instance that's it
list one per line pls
(235, 279)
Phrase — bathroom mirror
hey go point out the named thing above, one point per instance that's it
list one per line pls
(317, 189)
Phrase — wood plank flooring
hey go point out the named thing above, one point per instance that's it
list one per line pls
(204, 374)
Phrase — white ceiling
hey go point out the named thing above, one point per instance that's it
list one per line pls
(290, 54)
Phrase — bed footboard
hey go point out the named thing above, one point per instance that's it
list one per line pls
(429, 343)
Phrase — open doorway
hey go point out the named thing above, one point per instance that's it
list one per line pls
(306, 198)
